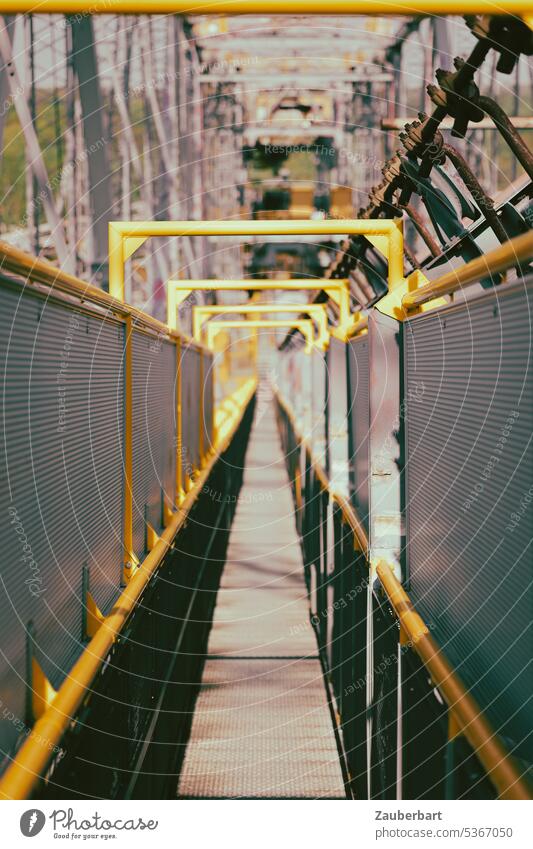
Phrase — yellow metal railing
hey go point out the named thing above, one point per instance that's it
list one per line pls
(304, 325)
(37, 272)
(31, 761)
(500, 766)
(267, 7)
(511, 253)
(55, 711)
(125, 237)
(338, 290)
(202, 314)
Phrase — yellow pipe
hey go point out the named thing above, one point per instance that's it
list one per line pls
(316, 311)
(352, 519)
(130, 560)
(266, 7)
(499, 765)
(291, 284)
(116, 263)
(303, 325)
(339, 286)
(32, 759)
(201, 424)
(280, 227)
(140, 230)
(358, 327)
(511, 253)
(40, 271)
(179, 428)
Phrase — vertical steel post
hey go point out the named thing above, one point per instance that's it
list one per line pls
(99, 175)
(180, 491)
(130, 561)
(201, 425)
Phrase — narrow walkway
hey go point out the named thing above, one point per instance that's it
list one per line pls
(262, 727)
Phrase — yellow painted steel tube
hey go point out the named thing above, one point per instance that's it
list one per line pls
(499, 765)
(280, 227)
(511, 253)
(22, 264)
(291, 284)
(350, 516)
(32, 759)
(267, 7)
(128, 553)
(139, 230)
(358, 327)
(304, 325)
(201, 313)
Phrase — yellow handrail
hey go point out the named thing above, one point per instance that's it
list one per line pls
(32, 759)
(125, 237)
(267, 7)
(303, 325)
(34, 270)
(499, 765)
(348, 513)
(511, 253)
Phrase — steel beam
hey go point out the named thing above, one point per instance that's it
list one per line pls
(318, 313)
(520, 122)
(126, 236)
(33, 150)
(100, 194)
(305, 326)
(267, 7)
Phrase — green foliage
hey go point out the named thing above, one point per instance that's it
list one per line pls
(13, 167)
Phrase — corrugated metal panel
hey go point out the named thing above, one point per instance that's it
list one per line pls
(190, 407)
(195, 384)
(63, 471)
(154, 374)
(208, 400)
(337, 412)
(359, 421)
(469, 419)
(318, 401)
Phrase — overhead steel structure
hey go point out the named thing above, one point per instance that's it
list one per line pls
(406, 433)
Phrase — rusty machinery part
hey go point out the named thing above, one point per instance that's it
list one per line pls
(457, 96)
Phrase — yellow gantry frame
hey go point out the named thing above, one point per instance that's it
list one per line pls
(508, 776)
(385, 234)
(337, 289)
(317, 312)
(268, 7)
(304, 325)
(418, 294)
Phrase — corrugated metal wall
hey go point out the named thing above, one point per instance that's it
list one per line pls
(62, 471)
(63, 466)
(190, 408)
(469, 420)
(154, 378)
(337, 414)
(208, 389)
(318, 401)
(359, 423)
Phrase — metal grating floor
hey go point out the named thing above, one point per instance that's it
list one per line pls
(262, 726)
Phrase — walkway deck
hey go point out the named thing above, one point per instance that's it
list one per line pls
(262, 726)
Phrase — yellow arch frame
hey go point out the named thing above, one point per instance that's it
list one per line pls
(304, 325)
(125, 237)
(317, 312)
